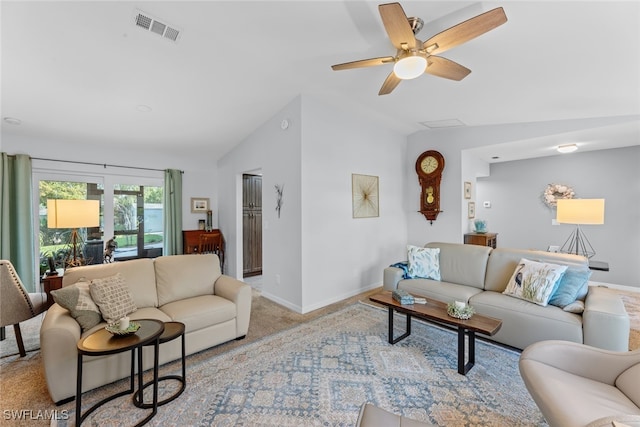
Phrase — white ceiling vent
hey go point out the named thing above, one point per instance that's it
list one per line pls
(148, 22)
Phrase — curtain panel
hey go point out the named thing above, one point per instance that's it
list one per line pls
(17, 236)
(172, 212)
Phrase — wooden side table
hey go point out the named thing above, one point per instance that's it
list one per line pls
(52, 283)
(482, 239)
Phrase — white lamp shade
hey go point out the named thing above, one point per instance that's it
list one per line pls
(580, 211)
(73, 213)
(410, 67)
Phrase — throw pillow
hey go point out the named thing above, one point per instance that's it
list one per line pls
(572, 281)
(575, 307)
(77, 299)
(424, 263)
(113, 297)
(534, 281)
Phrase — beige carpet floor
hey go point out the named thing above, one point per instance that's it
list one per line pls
(23, 387)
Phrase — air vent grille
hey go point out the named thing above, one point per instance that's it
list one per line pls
(148, 22)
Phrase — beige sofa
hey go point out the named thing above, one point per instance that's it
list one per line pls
(579, 385)
(478, 275)
(187, 288)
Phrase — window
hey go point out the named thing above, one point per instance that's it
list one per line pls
(131, 212)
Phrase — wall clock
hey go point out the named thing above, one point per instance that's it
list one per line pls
(429, 167)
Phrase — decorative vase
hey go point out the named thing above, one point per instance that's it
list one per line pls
(480, 225)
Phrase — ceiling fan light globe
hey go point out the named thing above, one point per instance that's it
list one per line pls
(410, 67)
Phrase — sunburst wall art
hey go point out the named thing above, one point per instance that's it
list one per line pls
(364, 191)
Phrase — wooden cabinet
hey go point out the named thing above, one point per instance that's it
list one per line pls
(482, 239)
(191, 242)
(52, 283)
(251, 225)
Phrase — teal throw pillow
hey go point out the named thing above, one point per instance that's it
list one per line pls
(569, 287)
(534, 281)
(77, 299)
(424, 263)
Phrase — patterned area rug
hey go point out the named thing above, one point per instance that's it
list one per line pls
(320, 372)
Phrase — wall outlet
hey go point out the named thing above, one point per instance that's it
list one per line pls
(486, 204)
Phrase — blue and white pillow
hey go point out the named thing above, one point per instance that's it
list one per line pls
(534, 281)
(424, 263)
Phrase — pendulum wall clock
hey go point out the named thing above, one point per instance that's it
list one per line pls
(429, 167)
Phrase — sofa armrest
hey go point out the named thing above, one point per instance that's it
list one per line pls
(59, 335)
(605, 322)
(240, 294)
(578, 359)
(392, 275)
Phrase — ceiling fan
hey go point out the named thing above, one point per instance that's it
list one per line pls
(415, 57)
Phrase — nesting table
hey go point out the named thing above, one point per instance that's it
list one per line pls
(102, 342)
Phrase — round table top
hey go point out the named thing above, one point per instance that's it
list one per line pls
(172, 330)
(102, 342)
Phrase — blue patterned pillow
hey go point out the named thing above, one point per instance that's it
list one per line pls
(572, 281)
(424, 263)
(534, 281)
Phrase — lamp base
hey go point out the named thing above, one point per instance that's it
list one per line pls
(578, 244)
(75, 251)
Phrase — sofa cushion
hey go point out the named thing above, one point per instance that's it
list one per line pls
(573, 280)
(77, 299)
(184, 276)
(463, 264)
(437, 290)
(138, 274)
(200, 312)
(112, 296)
(629, 383)
(534, 281)
(503, 261)
(424, 263)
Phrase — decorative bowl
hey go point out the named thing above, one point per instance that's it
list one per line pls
(460, 313)
(116, 331)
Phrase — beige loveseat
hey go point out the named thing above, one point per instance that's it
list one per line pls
(478, 275)
(187, 288)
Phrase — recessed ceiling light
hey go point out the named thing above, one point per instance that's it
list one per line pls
(12, 121)
(567, 148)
(143, 108)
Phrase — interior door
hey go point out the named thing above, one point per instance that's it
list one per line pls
(252, 225)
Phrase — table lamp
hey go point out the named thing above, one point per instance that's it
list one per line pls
(579, 212)
(73, 214)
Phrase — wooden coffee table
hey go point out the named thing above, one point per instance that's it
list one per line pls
(436, 311)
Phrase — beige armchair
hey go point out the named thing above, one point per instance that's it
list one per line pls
(16, 304)
(578, 385)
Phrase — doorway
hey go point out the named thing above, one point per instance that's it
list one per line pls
(251, 225)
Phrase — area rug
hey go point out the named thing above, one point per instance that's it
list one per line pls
(320, 372)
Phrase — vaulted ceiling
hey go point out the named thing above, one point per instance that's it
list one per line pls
(84, 72)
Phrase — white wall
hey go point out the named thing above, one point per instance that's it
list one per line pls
(522, 220)
(317, 250)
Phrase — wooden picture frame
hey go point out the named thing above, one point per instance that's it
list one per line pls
(467, 190)
(471, 210)
(199, 205)
(364, 196)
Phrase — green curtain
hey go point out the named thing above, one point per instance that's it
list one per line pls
(172, 212)
(17, 237)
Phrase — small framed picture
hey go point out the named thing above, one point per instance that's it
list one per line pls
(199, 204)
(467, 190)
(471, 210)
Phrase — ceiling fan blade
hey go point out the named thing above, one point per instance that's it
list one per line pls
(443, 67)
(465, 31)
(363, 63)
(389, 84)
(397, 25)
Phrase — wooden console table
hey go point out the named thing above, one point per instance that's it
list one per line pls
(191, 241)
(482, 239)
(52, 283)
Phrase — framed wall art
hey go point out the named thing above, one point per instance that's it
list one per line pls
(467, 190)
(364, 194)
(199, 205)
(471, 210)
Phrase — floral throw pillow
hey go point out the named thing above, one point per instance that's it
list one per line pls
(423, 263)
(534, 281)
(113, 297)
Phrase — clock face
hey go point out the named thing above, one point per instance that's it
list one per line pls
(429, 164)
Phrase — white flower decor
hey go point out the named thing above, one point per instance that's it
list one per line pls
(553, 192)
